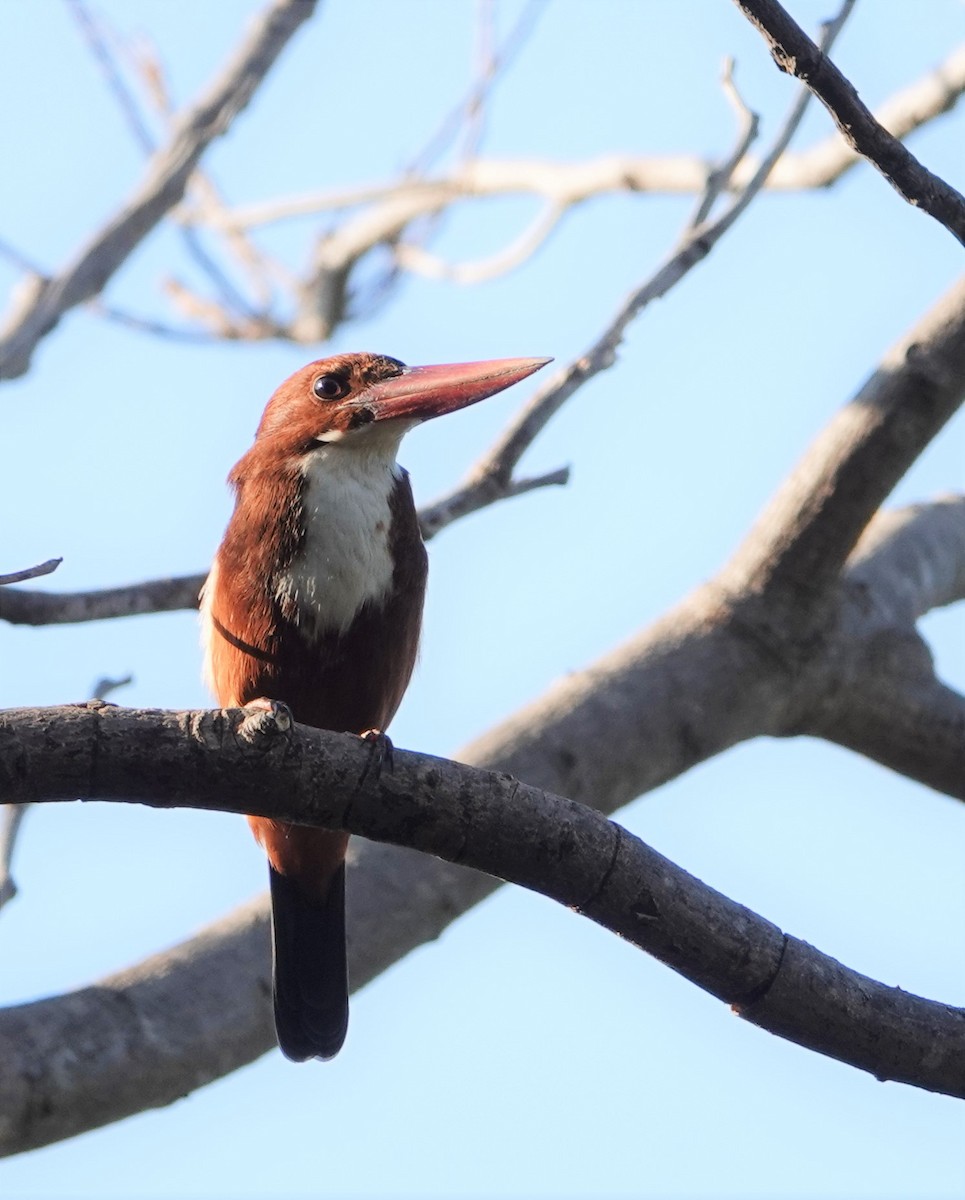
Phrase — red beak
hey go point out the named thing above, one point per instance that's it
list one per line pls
(421, 393)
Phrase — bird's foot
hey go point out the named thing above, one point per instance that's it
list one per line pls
(380, 755)
(264, 716)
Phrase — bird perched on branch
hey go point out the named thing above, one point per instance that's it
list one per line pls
(315, 601)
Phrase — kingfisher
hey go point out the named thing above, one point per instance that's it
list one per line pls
(314, 601)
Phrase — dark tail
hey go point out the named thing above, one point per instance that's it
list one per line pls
(311, 974)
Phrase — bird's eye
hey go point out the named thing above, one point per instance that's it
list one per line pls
(328, 387)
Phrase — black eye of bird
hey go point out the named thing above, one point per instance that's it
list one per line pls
(328, 387)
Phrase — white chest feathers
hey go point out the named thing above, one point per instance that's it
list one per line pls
(344, 561)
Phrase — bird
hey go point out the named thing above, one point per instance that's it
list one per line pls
(314, 601)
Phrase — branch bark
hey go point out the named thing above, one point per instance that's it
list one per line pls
(44, 568)
(253, 761)
(42, 304)
(795, 54)
(804, 536)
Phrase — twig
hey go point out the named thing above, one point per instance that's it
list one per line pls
(13, 815)
(748, 123)
(231, 298)
(105, 686)
(411, 256)
(25, 607)
(20, 260)
(115, 80)
(494, 63)
(161, 188)
(258, 266)
(44, 568)
(156, 328)
(570, 183)
(491, 479)
(795, 53)
(494, 471)
(435, 517)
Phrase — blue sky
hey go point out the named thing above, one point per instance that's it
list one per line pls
(527, 1052)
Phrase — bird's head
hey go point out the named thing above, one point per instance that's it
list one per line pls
(359, 400)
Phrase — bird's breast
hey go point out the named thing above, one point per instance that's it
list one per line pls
(344, 559)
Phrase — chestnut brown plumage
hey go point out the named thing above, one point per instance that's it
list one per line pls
(315, 600)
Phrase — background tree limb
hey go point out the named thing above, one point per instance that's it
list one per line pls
(41, 304)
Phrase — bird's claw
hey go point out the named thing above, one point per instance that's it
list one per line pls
(380, 755)
(265, 716)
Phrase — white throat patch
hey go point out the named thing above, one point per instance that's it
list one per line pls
(344, 560)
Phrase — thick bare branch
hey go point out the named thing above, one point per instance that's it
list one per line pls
(800, 543)
(795, 53)
(911, 560)
(882, 697)
(260, 762)
(41, 306)
(889, 706)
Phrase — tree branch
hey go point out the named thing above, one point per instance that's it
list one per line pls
(567, 184)
(910, 561)
(493, 472)
(42, 305)
(10, 825)
(881, 697)
(889, 706)
(44, 568)
(253, 761)
(23, 606)
(907, 110)
(30, 607)
(801, 541)
(797, 546)
(795, 54)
